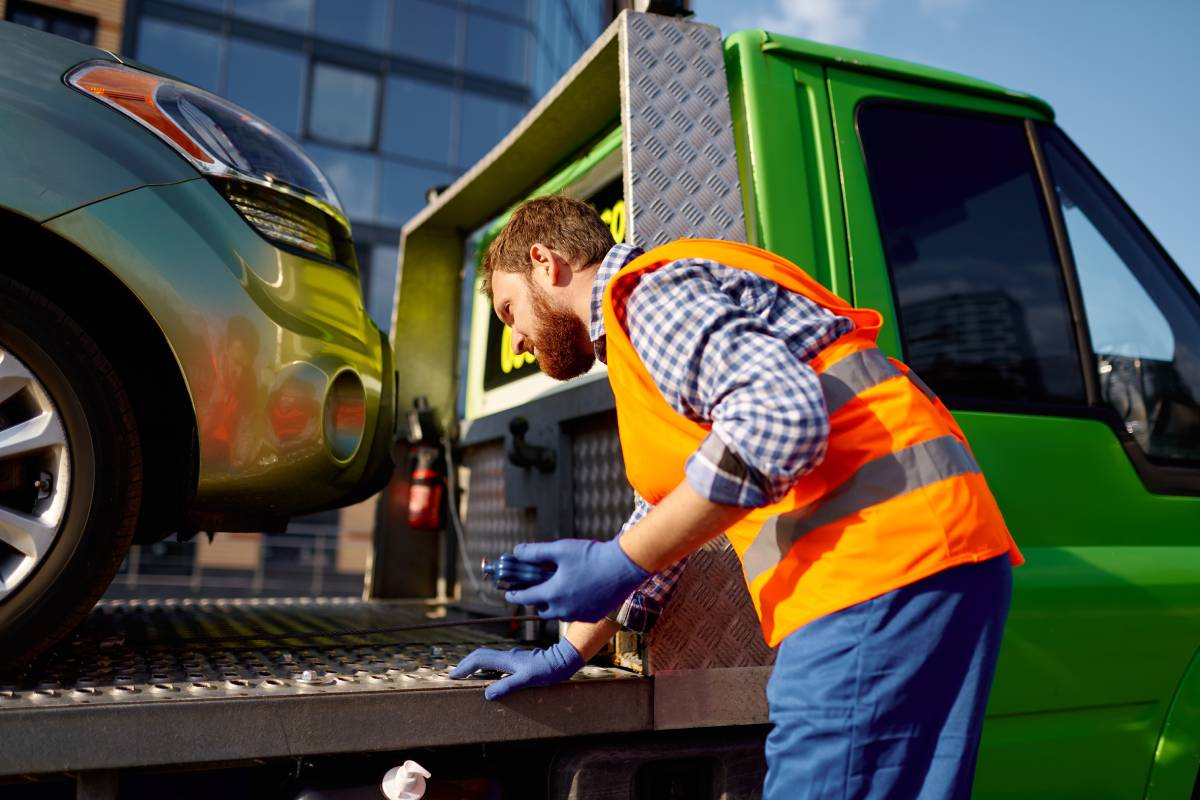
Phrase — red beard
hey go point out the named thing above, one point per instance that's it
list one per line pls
(564, 348)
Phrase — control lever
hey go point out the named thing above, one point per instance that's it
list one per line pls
(522, 453)
(510, 572)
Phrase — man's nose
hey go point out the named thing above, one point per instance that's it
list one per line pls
(518, 343)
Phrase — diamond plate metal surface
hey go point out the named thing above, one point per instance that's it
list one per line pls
(491, 526)
(681, 176)
(602, 495)
(130, 652)
(711, 622)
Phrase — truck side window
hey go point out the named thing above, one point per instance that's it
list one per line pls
(981, 301)
(1144, 322)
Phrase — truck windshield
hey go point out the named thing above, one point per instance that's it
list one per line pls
(1143, 319)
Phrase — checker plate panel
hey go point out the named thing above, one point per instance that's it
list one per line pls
(681, 176)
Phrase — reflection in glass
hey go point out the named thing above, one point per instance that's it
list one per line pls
(426, 31)
(268, 81)
(353, 176)
(982, 304)
(497, 49)
(343, 105)
(485, 121)
(361, 22)
(416, 121)
(294, 14)
(185, 52)
(1143, 321)
(404, 188)
(381, 285)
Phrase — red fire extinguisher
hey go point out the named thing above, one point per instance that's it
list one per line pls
(426, 484)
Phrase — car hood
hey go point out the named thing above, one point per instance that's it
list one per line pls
(62, 149)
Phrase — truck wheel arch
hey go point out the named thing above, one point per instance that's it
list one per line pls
(1175, 771)
(137, 347)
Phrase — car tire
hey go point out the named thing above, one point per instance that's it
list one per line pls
(70, 474)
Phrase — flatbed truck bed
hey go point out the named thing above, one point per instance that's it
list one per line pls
(181, 683)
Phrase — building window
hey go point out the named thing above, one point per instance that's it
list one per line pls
(381, 285)
(353, 176)
(217, 6)
(268, 81)
(79, 27)
(426, 32)
(498, 49)
(363, 23)
(404, 187)
(417, 120)
(293, 14)
(344, 104)
(513, 8)
(980, 295)
(485, 121)
(188, 53)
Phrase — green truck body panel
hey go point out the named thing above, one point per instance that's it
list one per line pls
(61, 149)
(1090, 697)
(221, 293)
(1178, 750)
(868, 63)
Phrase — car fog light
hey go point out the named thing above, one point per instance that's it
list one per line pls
(345, 415)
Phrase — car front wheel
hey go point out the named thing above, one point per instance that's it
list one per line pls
(70, 473)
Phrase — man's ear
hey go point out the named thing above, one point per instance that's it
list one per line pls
(546, 261)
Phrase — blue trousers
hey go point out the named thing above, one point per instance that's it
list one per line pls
(886, 698)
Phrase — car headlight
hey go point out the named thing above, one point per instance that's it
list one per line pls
(264, 174)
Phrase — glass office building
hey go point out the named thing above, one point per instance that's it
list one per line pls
(390, 97)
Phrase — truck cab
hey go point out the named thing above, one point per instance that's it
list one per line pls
(1021, 287)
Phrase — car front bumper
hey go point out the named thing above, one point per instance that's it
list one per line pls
(270, 345)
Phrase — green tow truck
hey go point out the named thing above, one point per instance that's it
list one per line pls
(1013, 279)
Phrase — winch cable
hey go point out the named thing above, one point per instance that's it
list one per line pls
(455, 521)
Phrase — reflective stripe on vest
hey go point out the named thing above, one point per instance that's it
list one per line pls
(875, 482)
(844, 380)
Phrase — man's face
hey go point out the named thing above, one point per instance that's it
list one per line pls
(542, 324)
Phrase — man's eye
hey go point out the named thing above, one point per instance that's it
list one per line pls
(507, 311)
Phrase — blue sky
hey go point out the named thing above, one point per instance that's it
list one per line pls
(1123, 76)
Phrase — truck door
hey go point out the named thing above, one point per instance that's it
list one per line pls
(1026, 294)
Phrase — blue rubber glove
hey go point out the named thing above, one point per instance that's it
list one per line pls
(591, 579)
(526, 667)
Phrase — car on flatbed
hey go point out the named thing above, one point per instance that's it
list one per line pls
(183, 343)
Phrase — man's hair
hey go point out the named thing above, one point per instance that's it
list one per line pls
(569, 226)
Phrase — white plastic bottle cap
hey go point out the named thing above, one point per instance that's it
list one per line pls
(405, 782)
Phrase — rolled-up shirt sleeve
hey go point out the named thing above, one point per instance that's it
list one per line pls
(646, 604)
(715, 360)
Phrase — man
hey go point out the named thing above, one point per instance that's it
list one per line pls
(753, 402)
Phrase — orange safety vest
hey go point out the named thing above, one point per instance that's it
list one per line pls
(898, 496)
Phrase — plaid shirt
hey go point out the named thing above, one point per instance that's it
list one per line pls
(726, 348)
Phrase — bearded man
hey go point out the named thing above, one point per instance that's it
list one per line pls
(753, 402)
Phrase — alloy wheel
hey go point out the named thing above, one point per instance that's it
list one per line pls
(35, 472)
